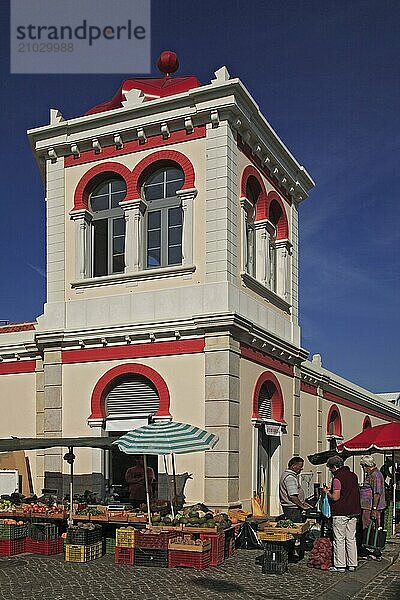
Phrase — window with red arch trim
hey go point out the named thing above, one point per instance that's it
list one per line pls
(110, 379)
(334, 422)
(267, 387)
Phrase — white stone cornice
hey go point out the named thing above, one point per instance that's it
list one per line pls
(192, 192)
(246, 204)
(117, 139)
(266, 225)
(81, 213)
(265, 292)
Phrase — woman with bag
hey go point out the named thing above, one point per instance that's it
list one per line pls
(344, 499)
(372, 497)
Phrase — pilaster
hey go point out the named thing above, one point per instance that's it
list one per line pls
(222, 358)
(296, 411)
(52, 422)
(134, 211)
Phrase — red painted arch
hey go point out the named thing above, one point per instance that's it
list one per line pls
(366, 423)
(108, 380)
(261, 203)
(282, 228)
(163, 155)
(277, 404)
(94, 177)
(337, 422)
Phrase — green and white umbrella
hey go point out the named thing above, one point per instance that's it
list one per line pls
(166, 438)
(163, 438)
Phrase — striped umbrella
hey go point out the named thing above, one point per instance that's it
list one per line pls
(163, 438)
(166, 438)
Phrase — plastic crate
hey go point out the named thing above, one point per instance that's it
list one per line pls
(124, 556)
(155, 541)
(275, 558)
(84, 537)
(110, 545)
(149, 557)
(43, 531)
(13, 532)
(47, 547)
(125, 538)
(12, 547)
(217, 547)
(193, 560)
(83, 553)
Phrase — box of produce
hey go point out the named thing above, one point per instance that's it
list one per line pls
(39, 509)
(84, 534)
(7, 508)
(154, 539)
(120, 516)
(82, 553)
(43, 531)
(187, 543)
(287, 525)
(134, 517)
(12, 530)
(125, 537)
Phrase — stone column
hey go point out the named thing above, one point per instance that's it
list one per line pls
(134, 211)
(246, 206)
(222, 388)
(283, 249)
(264, 230)
(52, 423)
(187, 197)
(82, 220)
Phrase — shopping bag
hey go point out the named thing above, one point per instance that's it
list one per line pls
(374, 537)
(325, 506)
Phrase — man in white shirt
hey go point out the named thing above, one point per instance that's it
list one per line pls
(291, 494)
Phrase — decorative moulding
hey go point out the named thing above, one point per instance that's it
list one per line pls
(267, 294)
(221, 75)
(133, 277)
(133, 98)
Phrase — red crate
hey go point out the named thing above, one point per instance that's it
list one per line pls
(124, 556)
(11, 547)
(230, 548)
(217, 547)
(154, 541)
(194, 560)
(46, 547)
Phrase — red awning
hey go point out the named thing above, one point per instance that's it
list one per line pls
(380, 438)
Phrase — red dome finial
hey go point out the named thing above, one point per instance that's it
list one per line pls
(168, 62)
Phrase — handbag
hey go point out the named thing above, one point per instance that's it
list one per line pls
(374, 537)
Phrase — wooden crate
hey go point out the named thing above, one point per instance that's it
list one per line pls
(204, 547)
(274, 536)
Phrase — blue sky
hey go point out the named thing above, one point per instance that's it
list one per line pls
(325, 74)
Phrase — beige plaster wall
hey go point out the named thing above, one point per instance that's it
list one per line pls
(195, 151)
(18, 410)
(184, 376)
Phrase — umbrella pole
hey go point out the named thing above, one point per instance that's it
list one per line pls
(174, 473)
(146, 480)
(71, 487)
(168, 484)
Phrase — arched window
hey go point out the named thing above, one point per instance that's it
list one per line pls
(164, 219)
(366, 423)
(275, 215)
(108, 225)
(268, 399)
(334, 422)
(253, 191)
(132, 397)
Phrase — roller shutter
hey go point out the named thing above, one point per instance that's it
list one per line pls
(134, 397)
(264, 403)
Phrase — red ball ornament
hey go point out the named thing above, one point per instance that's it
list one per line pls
(168, 62)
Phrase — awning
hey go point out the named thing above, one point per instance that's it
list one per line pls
(14, 443)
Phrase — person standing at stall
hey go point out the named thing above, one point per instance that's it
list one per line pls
(135, 479)
(291, 494)
(344, 497)
(373, 500)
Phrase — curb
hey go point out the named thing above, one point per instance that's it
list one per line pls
(347, 585)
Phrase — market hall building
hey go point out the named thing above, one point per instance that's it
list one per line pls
(172, 292)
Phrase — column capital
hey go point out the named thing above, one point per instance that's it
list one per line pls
(191, 193)
(137, 204)
(265, 225)
(246, 204)
(81, 214)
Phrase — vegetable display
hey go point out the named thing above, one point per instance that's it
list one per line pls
(321, 554)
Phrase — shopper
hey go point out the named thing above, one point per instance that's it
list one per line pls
(291, 494)
(135, 479)
(373, 497)
(344, 497)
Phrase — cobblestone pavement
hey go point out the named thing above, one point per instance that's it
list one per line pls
(33, 577)
(386, 585)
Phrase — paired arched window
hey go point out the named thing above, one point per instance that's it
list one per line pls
(164, 218)
(108, 224)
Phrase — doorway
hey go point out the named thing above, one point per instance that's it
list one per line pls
(263, 470)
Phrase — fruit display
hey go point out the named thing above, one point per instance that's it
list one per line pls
(194, 517)
(6, 506)
(39, 508)
(90, 511)
(11, 522)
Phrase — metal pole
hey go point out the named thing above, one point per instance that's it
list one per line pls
(168, 484)
(71, 486)
(174, 473)
(394, 467)
(146, 480)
